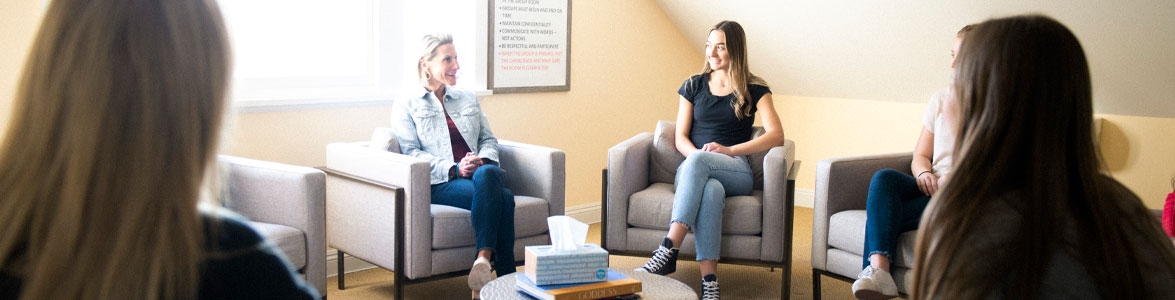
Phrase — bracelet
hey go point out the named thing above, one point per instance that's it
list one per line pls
(920, 174)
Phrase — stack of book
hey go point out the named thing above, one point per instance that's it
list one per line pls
(615, 284)
(581, 273)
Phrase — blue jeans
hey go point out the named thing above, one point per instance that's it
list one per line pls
(894, 206)
(703, 182)
(491, 207)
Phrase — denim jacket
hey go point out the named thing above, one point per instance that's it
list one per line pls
(420, 127)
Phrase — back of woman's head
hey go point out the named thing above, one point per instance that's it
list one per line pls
(1025, 141)
(115, 121)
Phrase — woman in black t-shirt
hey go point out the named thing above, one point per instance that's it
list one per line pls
(714, 118)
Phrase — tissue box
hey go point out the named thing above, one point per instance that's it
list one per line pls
(545, 265)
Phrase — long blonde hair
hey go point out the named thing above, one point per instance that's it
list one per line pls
(1024, 88)
(740, 70)
(115, 124)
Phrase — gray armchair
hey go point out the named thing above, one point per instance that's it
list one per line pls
(838, 221)
(286, 205)
(379, 208)
(638, 197)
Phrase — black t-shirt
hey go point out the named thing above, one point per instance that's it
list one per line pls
(241, 265)
(714, 119)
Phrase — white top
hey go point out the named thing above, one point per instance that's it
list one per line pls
(944, 140)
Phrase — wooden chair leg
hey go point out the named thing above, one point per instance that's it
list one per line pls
(342, 271)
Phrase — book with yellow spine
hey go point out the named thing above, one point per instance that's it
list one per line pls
(617, 284)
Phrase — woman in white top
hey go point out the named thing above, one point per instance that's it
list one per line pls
(896, 199)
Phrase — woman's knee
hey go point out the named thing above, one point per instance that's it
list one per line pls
(714, 191)
(489, 171)
(887, 176)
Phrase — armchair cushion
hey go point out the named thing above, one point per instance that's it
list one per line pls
(850, 236)
(289, 239)
(652, 207)
(384, 139)
(451, 225)
(665, 157)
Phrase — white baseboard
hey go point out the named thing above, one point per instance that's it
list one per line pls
(353, 264)
(805, 197)
(587, 213)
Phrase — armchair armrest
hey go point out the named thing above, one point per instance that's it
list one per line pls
(843, 184)
(628, 172)
(777, 206)
(361, 207)
(535, 171)
(275, 193)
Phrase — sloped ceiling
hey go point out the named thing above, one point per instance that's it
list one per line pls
(900, 50)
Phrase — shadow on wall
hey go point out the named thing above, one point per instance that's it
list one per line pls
(1115, 147)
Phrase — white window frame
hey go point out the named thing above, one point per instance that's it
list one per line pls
(394, 72)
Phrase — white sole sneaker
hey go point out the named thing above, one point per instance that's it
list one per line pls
(481, 274)
(874, 284)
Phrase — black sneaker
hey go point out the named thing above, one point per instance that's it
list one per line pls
(664, 260)
(710, 287)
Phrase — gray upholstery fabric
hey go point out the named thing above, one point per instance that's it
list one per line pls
(289, 239)
(651, 209)
(461, 258)
(838, 229)
(849, 228)
(664, 157)
(360, 215)
(452, 227)
(628, 173)
(282, 195)
(639, 198)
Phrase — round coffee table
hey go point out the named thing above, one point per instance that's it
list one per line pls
(652, 287)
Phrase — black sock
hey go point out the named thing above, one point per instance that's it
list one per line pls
(667, 243)
(709, 278)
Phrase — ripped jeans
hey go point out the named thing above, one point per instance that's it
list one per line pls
(894, 206)
(703, 182)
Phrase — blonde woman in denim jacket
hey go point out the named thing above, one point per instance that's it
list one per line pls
(447, 127)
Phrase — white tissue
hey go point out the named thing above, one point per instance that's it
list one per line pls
(567, 234)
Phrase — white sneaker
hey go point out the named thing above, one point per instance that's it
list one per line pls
(874, 284)
(481, 273)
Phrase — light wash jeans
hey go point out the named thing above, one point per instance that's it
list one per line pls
(703, 182)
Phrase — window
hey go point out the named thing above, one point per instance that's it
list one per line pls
(314, 52)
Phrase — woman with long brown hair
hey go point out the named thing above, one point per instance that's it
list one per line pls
(715, 115)
(114, 129)
(1028, 213)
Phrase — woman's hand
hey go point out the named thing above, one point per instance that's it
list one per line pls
(927, 183)
(468, 165)
(716, 148)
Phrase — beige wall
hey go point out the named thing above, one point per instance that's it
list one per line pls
(899, 50)
(627, 59)
(627, 62)
(1138, 151)
(18, 24)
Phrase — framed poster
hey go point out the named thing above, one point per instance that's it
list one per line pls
(529, 45)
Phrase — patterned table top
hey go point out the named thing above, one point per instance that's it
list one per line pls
(652, 287)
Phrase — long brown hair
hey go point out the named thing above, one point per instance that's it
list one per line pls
(740, 70)
(1026, 118)
(115, 124)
